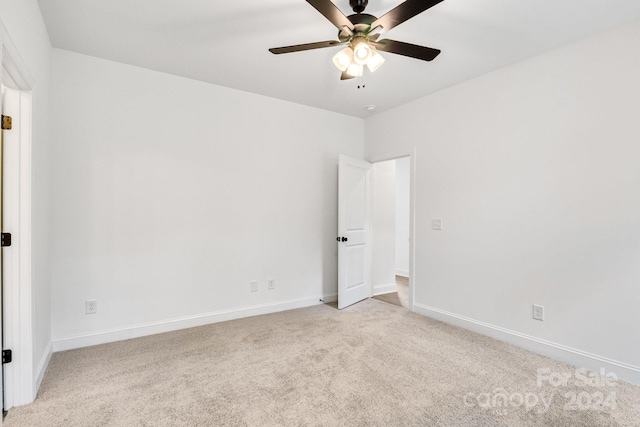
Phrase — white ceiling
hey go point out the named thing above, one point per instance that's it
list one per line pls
(226, 42)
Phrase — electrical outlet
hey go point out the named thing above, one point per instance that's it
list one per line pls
(91, 306)
(272, 283)
(538, 312)
(436, 223)
(254, 285)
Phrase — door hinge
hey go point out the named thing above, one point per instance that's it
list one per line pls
(5, 240)
(6, 122)
(7, 357)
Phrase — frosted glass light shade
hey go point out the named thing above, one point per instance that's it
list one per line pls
(355, 70)
(375, 61)
(361, 52)
(343, 58)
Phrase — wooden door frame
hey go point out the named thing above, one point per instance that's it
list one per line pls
(21, 382)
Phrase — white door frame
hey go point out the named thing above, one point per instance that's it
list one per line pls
(20, 381)
(394, 155)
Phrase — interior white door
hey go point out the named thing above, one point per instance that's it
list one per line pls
(354, 231)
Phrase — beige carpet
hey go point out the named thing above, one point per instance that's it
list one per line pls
(370, 364)
(401, 296)
(391, 298)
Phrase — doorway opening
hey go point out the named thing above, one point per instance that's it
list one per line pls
(391, 228)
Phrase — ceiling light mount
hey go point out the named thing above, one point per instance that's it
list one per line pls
(358, 6)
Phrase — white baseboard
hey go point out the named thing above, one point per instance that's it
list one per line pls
(572, 356)
(141, 330)
(384, 289)
(403, 273)
(43, 365)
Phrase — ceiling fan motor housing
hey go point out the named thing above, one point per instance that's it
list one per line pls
(361, 26)
(358, 6)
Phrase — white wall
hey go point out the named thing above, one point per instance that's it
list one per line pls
(535, 170)
(383, 177)
(403, 205)
(171, 195)
(27, 33)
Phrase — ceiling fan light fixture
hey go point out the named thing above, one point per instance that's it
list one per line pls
(355, 69)
(361, 51)
(343, 59)
(375, 61)
(362, 32)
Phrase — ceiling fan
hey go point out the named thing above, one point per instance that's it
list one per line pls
(361, 32)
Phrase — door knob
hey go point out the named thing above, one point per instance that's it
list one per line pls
(344, 239)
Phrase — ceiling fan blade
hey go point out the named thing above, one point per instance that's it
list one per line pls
(345, 76)
(332, 13)
(306, 46)
(403, 12)
(406, 49)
